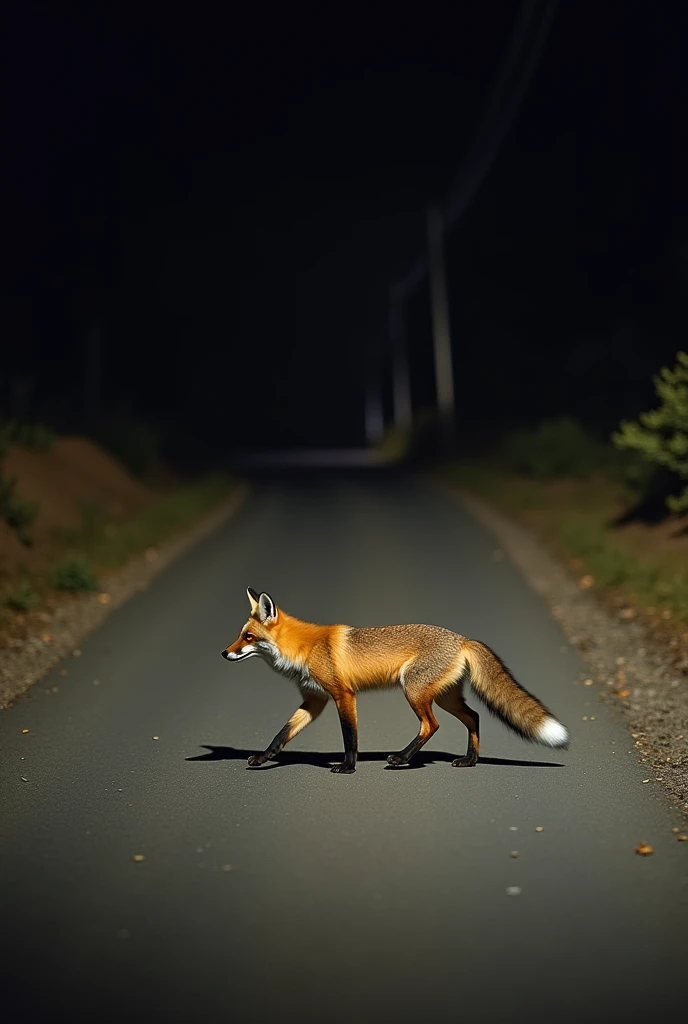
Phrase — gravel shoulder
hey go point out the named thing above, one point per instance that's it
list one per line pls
(27, 660)
(626, 667)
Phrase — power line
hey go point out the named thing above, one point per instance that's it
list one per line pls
(498, 115)
(465, 190)
(507, 93)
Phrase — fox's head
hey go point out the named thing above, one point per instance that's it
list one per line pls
(255, 638)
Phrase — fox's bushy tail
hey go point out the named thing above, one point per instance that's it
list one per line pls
(509, 701)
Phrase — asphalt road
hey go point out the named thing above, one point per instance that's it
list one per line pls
(290, 893)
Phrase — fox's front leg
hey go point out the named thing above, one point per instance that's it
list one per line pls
(346, 706)
(303, 716)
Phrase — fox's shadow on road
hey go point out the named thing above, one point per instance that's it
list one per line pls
(320, 760)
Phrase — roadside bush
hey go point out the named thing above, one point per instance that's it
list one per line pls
(556, 448)
(17, 512)
(74, 574)
(661, 435)
(21, 596)
(30, 435)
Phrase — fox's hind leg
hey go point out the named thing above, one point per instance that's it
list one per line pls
(452, 701)
(418, 693)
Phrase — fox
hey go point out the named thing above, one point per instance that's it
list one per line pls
(429, 663)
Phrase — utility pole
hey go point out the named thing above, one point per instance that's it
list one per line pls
(444, 369)
(403, 409)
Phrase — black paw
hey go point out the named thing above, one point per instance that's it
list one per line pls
(396, 760)
(342, 769)
(257, 759)
(467, 761)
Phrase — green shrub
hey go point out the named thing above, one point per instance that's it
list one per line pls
(17, 512)
(556, 448)
(21, 596)
(661, 435)
(30, 435)
(74, 574)
(36, 436)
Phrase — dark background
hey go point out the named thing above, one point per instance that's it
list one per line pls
(228, 196)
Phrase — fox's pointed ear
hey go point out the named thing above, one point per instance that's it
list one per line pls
(266, 608)
(253, 599)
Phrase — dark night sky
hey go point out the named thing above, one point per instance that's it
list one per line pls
(234, 193)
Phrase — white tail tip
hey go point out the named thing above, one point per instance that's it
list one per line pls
(552, 733)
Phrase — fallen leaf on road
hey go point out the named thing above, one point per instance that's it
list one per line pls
(25, 730)
(585, 582)
(587, 682)
(155, 737)
(104, 598)
(539, 828)
(644, 849)
(138, 857)
(645, 780)
(682, 838)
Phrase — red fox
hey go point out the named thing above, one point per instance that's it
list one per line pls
(428, 662)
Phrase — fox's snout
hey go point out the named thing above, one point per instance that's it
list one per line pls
(236, 653)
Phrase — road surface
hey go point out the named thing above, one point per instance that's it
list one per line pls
(287, 892)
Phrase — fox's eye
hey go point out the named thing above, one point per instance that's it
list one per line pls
(249, 636)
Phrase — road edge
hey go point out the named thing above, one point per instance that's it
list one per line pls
(625, 668)
(83, 613)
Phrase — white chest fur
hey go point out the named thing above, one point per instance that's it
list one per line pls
(296, 672)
